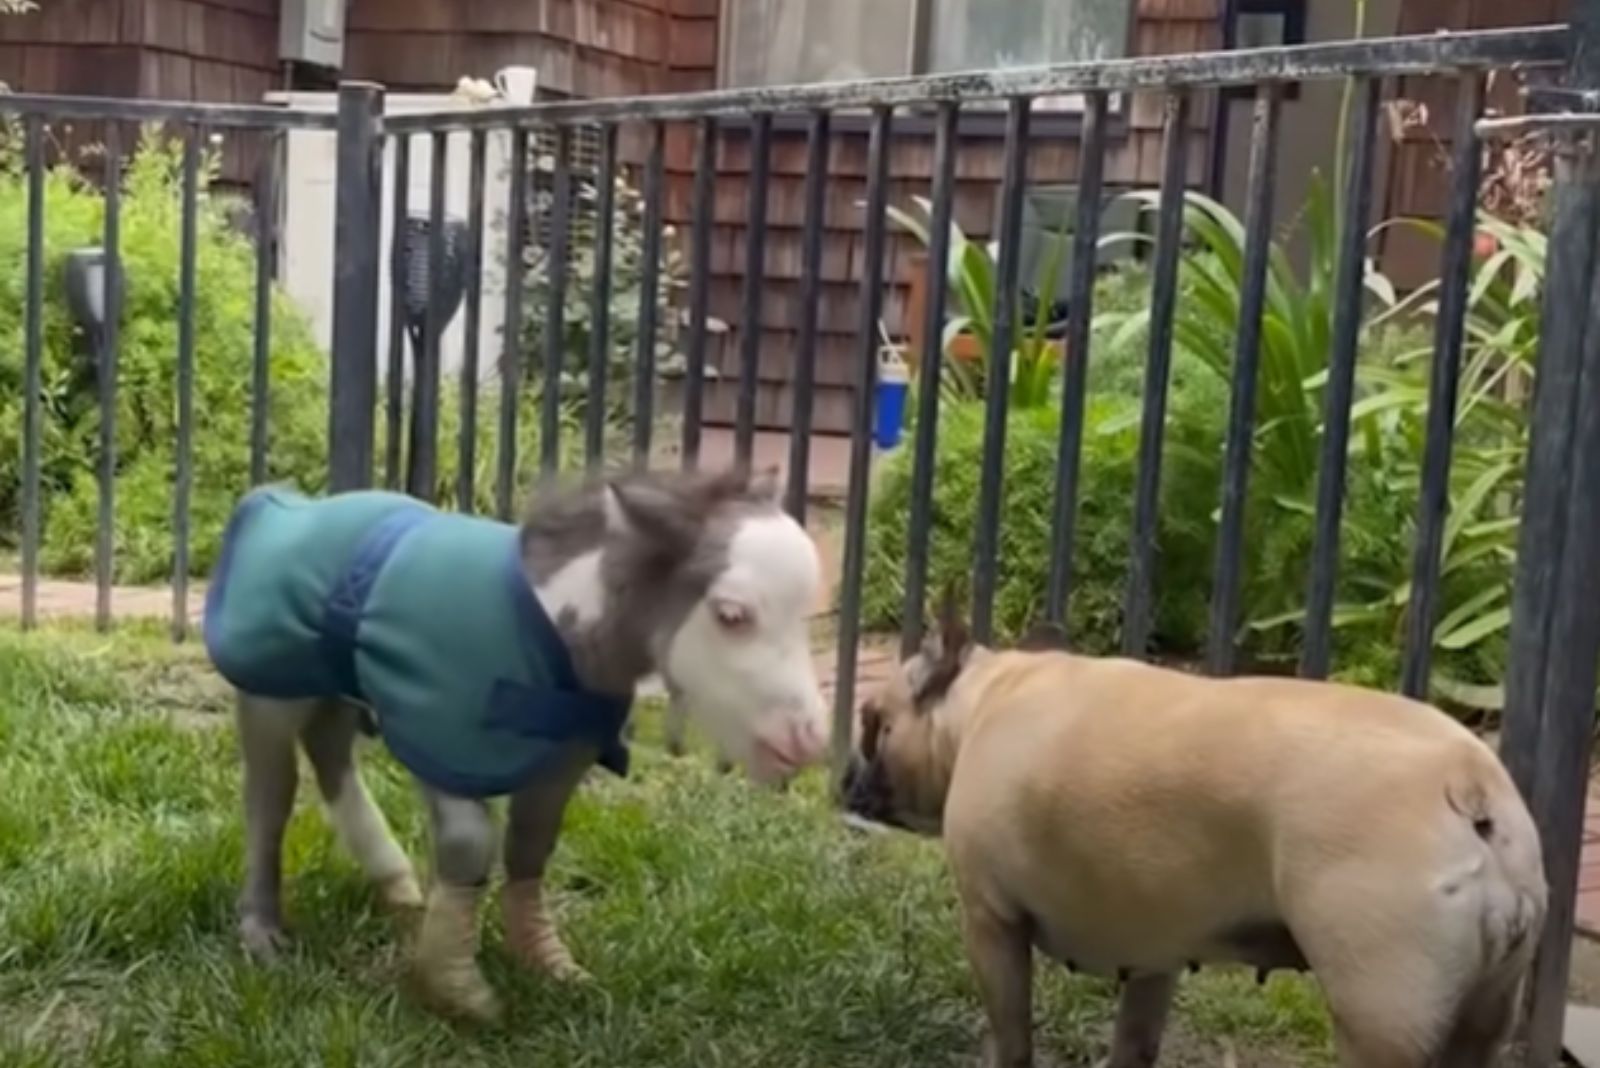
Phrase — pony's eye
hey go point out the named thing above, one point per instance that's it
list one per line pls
(732, 615)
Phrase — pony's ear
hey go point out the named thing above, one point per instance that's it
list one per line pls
(766, 485)
(662, 521)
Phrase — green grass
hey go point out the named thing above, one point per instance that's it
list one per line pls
(727, 926)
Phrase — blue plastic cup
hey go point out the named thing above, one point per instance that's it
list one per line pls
(889, 407)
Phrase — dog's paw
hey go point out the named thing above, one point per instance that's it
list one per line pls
(264, 940)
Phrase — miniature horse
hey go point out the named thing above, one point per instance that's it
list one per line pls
(495, 661)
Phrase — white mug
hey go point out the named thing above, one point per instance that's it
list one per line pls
(516, 84)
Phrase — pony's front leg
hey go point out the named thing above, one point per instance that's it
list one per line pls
(535, 823)
(445, 960)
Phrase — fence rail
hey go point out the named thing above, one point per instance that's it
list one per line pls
(1558, 564)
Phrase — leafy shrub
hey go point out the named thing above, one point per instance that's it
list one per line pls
(1190, 475)
(146, 402)
(628, 262)
(1388, 436)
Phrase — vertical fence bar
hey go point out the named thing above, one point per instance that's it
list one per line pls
(472, 330)
(1443, 386)
(553, 329)
(356, 273)
(266, 194)
(511, 359)
(394, 387)
(855, 538)
(1137, 608)
(1571, 263)
(600, 303)
(1566, 742)
(986, 567)
(32, 374)
(107, 362)
(1550, 681)
(1346, 339)
(1221, 649)
(1075, 382)
(422, 463)
(816, 198)
(644, 372)
(184, 479)
(694, 385)
(925, 457)
(755, 282)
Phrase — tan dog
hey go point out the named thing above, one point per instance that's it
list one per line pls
(1132, 820)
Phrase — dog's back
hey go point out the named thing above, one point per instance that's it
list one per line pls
(1380, 837)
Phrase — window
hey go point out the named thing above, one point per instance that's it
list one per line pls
(986, 34)
(1267, 24)
(786, 42)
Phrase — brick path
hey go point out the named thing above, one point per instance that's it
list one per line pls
(65, 600)
(1589, 870)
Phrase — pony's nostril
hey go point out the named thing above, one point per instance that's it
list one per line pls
(810, 739)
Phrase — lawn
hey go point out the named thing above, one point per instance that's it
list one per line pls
(726, 926)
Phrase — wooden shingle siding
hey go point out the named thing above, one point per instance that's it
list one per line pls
(1162, 27)
(584, 48)
(216, 50)
(1419, 174)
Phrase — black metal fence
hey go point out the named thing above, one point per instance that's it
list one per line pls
(1556, 630)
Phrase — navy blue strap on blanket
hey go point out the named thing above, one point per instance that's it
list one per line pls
(341, 619)
(578, 712)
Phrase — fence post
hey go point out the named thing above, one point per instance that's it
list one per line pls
(358, 198)
(1555, 635)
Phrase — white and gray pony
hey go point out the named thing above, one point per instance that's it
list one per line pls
(702, 579)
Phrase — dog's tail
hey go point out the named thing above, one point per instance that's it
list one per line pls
(1511, 901)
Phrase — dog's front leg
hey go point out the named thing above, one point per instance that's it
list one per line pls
(531, 832)
(1001, 955)
(1141, 1019)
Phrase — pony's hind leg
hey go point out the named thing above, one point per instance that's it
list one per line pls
(329, 739)
(267, 730)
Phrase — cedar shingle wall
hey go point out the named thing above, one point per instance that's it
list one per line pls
(213, 50)
(588, 48)
(1162, 27)
(1419, 177)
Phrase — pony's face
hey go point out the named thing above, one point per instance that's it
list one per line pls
(734, 647)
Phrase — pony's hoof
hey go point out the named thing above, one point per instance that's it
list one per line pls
(263, 939)
(468, 999)
(401, 894)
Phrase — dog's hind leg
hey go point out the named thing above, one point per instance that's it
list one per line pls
(1481, 1027)
(1141, 1021)
(267, 730)
(329, 740)
(1389, 997)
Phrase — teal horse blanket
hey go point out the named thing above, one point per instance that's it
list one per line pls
(424, 616)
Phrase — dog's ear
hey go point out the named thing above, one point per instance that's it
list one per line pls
(944, 650)
(1044, 637)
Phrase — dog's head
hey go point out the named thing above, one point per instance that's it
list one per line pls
(900, 759)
